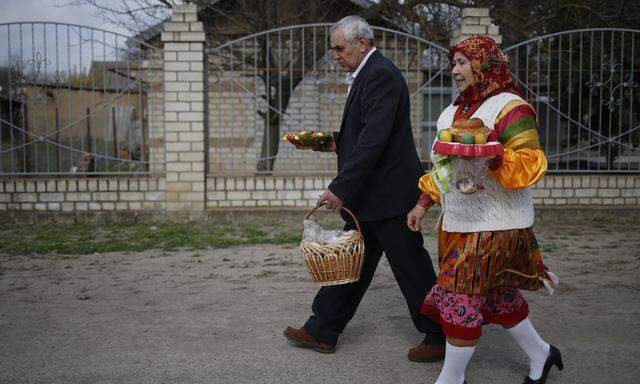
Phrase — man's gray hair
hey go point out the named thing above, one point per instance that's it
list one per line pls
(354, 27)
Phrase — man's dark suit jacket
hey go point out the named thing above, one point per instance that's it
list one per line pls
(378, 165)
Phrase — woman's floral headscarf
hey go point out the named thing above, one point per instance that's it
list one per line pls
(489, 67)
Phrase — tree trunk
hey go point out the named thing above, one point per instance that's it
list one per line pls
(271, 134)
(270, 145)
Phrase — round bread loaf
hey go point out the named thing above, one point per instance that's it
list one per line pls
(468, 125)
(465, 127)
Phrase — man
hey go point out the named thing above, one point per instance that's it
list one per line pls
(378, 172)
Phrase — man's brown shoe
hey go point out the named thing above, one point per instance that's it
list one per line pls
(302, 338)
(426, 353)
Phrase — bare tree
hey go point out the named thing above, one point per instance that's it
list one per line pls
(518, 19)
(522, 19)
(133, 15)
(432, 20)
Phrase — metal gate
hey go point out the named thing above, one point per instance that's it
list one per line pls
(282, 80)
(584, 87)
(78, 100)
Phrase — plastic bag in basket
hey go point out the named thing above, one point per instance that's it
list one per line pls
(315, 233)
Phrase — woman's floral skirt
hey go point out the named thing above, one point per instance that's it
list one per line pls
(462, 316)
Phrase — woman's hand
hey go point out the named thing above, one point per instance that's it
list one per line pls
(415, 217)
(495, 163)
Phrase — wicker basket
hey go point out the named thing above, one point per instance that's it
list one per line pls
(338, 263)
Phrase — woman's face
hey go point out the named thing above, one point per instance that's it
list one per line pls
(462, 72)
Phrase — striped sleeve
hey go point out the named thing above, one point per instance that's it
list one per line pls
(523, 163)
(517, 127)
(429, 187)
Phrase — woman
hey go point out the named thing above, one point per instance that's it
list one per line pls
(487, 249)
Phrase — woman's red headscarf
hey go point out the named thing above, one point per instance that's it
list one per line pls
(490, 72)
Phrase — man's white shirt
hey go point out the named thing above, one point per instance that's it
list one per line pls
(351, 76)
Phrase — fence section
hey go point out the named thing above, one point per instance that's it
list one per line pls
(584, 87)
(78, 100)
(284, 80)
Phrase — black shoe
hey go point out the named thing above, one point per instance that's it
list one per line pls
(554, 358)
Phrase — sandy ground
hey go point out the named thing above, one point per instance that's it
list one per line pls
(217, 316)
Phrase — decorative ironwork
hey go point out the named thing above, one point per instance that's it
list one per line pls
(611, 86)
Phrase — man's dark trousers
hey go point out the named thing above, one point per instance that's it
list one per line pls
(334, 306)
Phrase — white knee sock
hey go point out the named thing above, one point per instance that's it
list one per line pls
(455, 363)
(537, 349)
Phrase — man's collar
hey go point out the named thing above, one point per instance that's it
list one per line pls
(352, 75)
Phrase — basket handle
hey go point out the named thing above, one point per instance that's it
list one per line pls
(343, 208)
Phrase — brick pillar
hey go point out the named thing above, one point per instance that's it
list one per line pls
(476, 21)
(183, 39)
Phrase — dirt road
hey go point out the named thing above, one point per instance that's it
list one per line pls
(217, 316)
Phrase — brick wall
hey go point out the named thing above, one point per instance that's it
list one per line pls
(302, 191)
(244, 192)
(265, 191)
(82, 195)
(588, 190)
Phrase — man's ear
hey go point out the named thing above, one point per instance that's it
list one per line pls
(363, 44)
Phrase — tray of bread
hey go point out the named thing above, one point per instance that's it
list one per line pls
(467, 138)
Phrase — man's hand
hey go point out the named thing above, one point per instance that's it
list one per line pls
(327, 146)
(333, 202)
(415, 217)
(299, 146)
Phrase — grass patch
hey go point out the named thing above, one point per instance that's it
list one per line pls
(86, 238)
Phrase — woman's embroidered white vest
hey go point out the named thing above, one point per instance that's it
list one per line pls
(493, 208)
